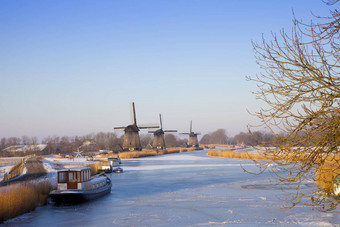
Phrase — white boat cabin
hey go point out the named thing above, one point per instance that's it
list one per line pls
(75, 178)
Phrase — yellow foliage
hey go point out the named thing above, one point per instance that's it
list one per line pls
(326, 173)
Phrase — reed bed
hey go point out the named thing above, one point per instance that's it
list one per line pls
(94, 168)
(238, 154)
(174, 150)
(137, 154)
(15, 171)
(22, 198)
(217, 145)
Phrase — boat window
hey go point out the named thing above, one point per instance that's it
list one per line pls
(72, 177)
(62, 177)
(82, 176)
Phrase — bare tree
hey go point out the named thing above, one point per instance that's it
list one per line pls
(300, 85)
(170, 140)
(145, 139)
(217, 137)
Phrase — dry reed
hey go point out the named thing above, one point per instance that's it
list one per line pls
(15, 171)
(137, 154)
(22, 198)
(238, 154)
(94, 168)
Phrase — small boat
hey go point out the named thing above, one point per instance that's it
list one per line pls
(76, 185)
(115, 161)
(104, 167)
(117, 170)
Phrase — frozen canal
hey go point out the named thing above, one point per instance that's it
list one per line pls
(185, 189)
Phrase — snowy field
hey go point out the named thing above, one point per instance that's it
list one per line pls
(185, 189)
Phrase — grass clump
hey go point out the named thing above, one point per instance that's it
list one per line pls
(22, 198)
(238, 154)
(138, 154)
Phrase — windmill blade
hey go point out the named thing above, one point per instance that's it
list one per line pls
(121, 147)
(133, 114)
(184, 133)
(190, 126)
(119, 129)
(145, 126)
(170, 130)
(160, 119)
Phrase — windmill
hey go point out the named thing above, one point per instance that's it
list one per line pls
(193, 141)
(158, 136)
(78, 153)
(131, 135)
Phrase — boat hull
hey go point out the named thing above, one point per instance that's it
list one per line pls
(74, 196)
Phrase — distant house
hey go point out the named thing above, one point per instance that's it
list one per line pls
(25, 148)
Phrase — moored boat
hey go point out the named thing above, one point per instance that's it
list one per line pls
(76, 185)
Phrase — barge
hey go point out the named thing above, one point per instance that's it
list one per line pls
(76, 185)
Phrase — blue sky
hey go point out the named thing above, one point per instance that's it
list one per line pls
(73, 67)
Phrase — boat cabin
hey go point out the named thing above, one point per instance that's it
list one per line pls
(75, 178)
(113, 161)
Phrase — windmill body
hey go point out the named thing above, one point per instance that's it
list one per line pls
(131, 138)
(131, 134)
(193, 141)
(158, 136)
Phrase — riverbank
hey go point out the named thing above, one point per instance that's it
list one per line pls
(152, 152)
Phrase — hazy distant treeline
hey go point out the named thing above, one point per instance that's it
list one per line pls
(89, 142)
(111, 141)
(243, 138)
